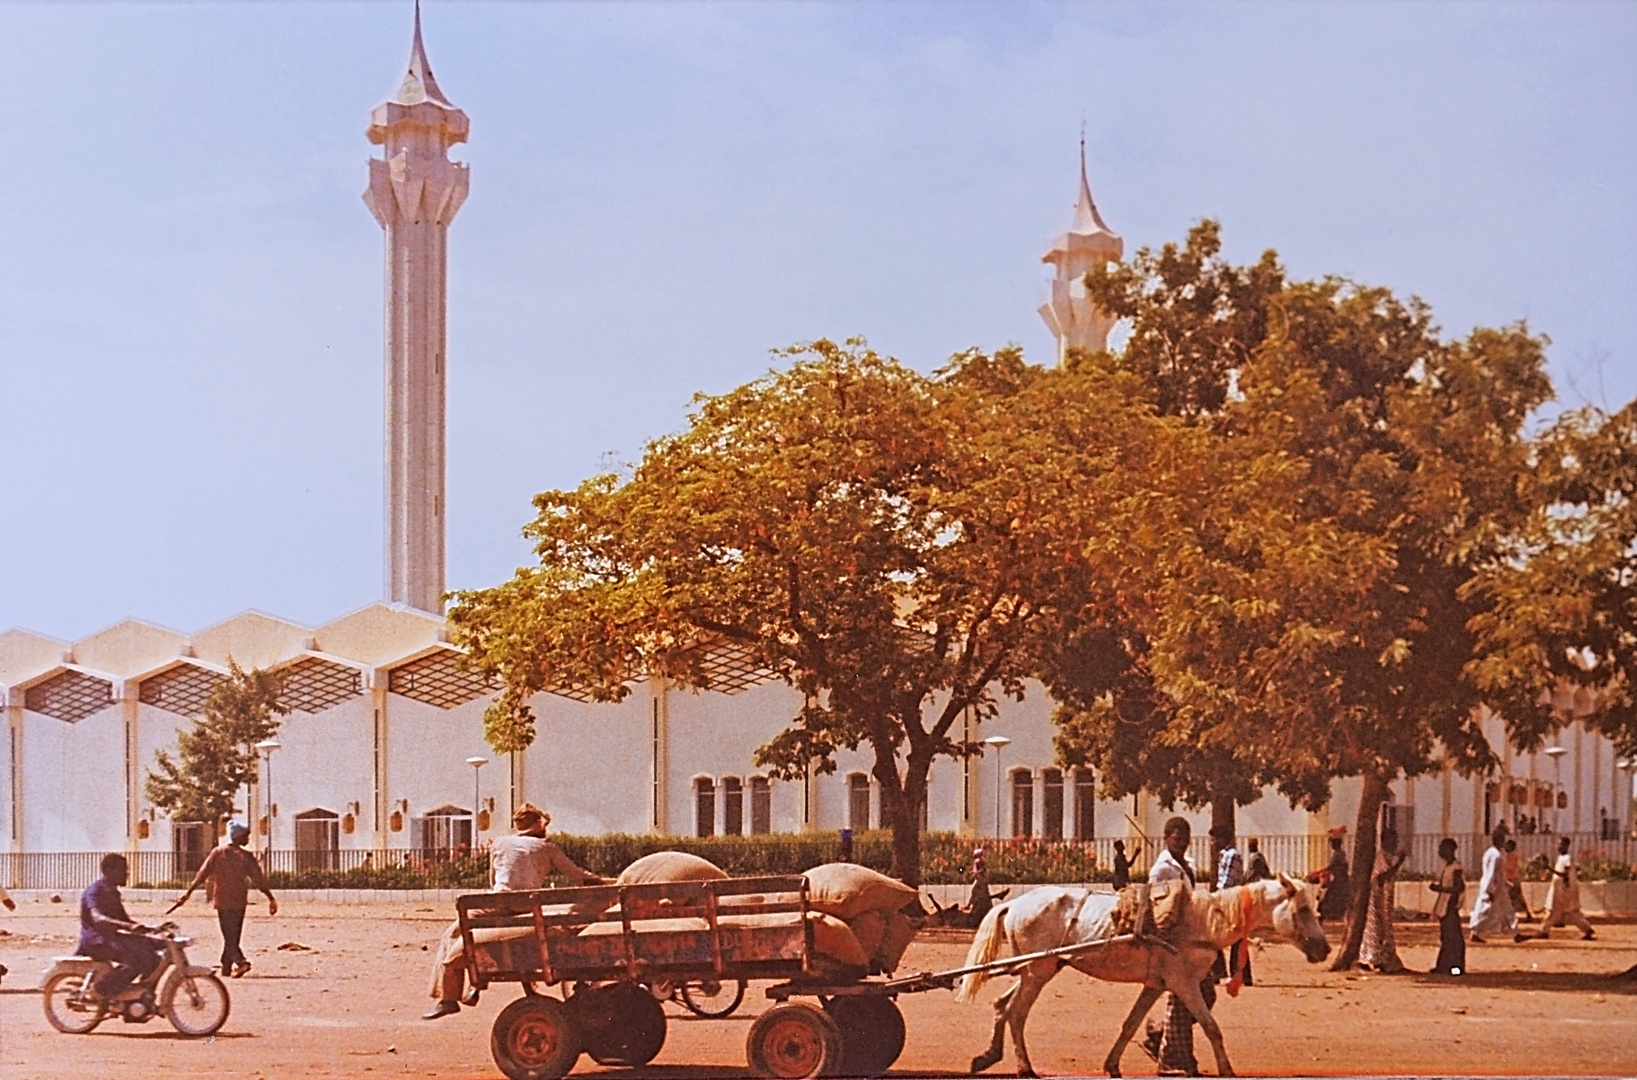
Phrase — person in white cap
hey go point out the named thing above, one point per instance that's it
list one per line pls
(227, 875)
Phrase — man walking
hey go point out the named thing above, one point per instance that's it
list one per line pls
(1334, 893)
(227, 875)
(1492, 907)
(1173, 1045)
(1563, 897)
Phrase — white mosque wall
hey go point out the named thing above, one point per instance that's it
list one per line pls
(74, 787)
(323, 763)
(591, 764)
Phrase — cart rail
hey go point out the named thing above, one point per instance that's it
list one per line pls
(746, 928)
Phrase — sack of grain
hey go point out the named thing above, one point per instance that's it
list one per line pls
(669, 866)
(666, 867)
(896, 935)
(833, 938)
(867, 927)
(847, 890)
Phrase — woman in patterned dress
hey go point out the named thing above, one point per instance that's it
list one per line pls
(1379, 952)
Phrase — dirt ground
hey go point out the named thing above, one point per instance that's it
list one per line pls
(351, 1008)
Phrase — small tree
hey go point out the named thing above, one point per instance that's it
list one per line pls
(218, 756)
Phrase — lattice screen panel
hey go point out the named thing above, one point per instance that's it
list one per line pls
(314, 684)
(70, 696)
(731, 668)
(437, 679)
(182, 690)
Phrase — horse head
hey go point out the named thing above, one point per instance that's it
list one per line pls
(1295, 919)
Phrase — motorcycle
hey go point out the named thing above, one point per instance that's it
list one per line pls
(192, 998)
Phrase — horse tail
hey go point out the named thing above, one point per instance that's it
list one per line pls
(986, 948)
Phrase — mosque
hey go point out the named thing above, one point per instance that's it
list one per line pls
(384, 751)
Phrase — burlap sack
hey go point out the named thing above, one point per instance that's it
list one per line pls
(847, 890)
(897, 933)
(867, 927)
(669, 866)
(666, 866)
(1167, 903)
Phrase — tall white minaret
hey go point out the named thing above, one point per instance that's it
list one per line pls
(414, 192)
(1070, 314)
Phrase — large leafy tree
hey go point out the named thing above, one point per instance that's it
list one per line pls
(891, 544)
(217, 756)
(1309, 620)
(1561, 611)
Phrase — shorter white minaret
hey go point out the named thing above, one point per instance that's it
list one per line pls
(1070, 315)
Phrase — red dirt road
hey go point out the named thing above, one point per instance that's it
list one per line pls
(351, 1009)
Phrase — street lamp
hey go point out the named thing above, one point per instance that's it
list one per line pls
(267, 746)
(999, 742)
(1627, 766)
(476, 763)
(1556, 754)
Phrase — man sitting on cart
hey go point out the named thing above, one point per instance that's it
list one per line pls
(520, 863)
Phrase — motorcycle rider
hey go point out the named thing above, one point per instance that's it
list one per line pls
(108, 934)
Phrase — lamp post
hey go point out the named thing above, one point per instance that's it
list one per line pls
(267, 746)
(999, 742)
(1623, 807)
(1556, 754)
(476, 763)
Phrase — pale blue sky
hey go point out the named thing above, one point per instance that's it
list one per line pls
(190, 290)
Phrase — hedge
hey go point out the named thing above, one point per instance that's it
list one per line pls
(945, 860)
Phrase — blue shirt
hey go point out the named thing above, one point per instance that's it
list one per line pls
(1230, 869)
(102, 897)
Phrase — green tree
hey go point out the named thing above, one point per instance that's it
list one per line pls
(1562, 607)
(889, 543)
(218, 755)
(1308, 620)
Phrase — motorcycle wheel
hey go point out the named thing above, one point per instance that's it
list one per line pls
(61, 1012)
(196, 1005)
(713, 999)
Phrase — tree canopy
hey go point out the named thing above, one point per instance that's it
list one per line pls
(892, 544)
(1308, 618)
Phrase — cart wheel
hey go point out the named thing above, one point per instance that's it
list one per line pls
(623, 1024)
(535, 1038)
(872, 1033)
(712, 999)
(793, 1040)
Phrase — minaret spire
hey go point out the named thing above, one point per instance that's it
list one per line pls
(1074, 321)
(414, 192)
(419, 83)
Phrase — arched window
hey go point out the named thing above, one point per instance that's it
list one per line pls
(761, 805)
(442, 834)
(318, 840)
(190, 843)
(1022, 802)
(1051, 804)
(858, 802)
(704, 806)
(733, 806)
(1085, 805)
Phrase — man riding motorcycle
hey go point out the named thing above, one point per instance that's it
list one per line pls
(108, 934)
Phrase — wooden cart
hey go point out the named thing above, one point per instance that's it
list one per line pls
(609, 945)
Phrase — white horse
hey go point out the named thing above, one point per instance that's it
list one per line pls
(1050, 917)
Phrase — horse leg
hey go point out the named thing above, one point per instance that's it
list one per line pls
(1034, 979)
(1139, 1009)
(1195, 1001)
(997, 1043)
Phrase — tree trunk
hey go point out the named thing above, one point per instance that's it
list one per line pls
(1364, 860)
(1223, 812)
(901, 799)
